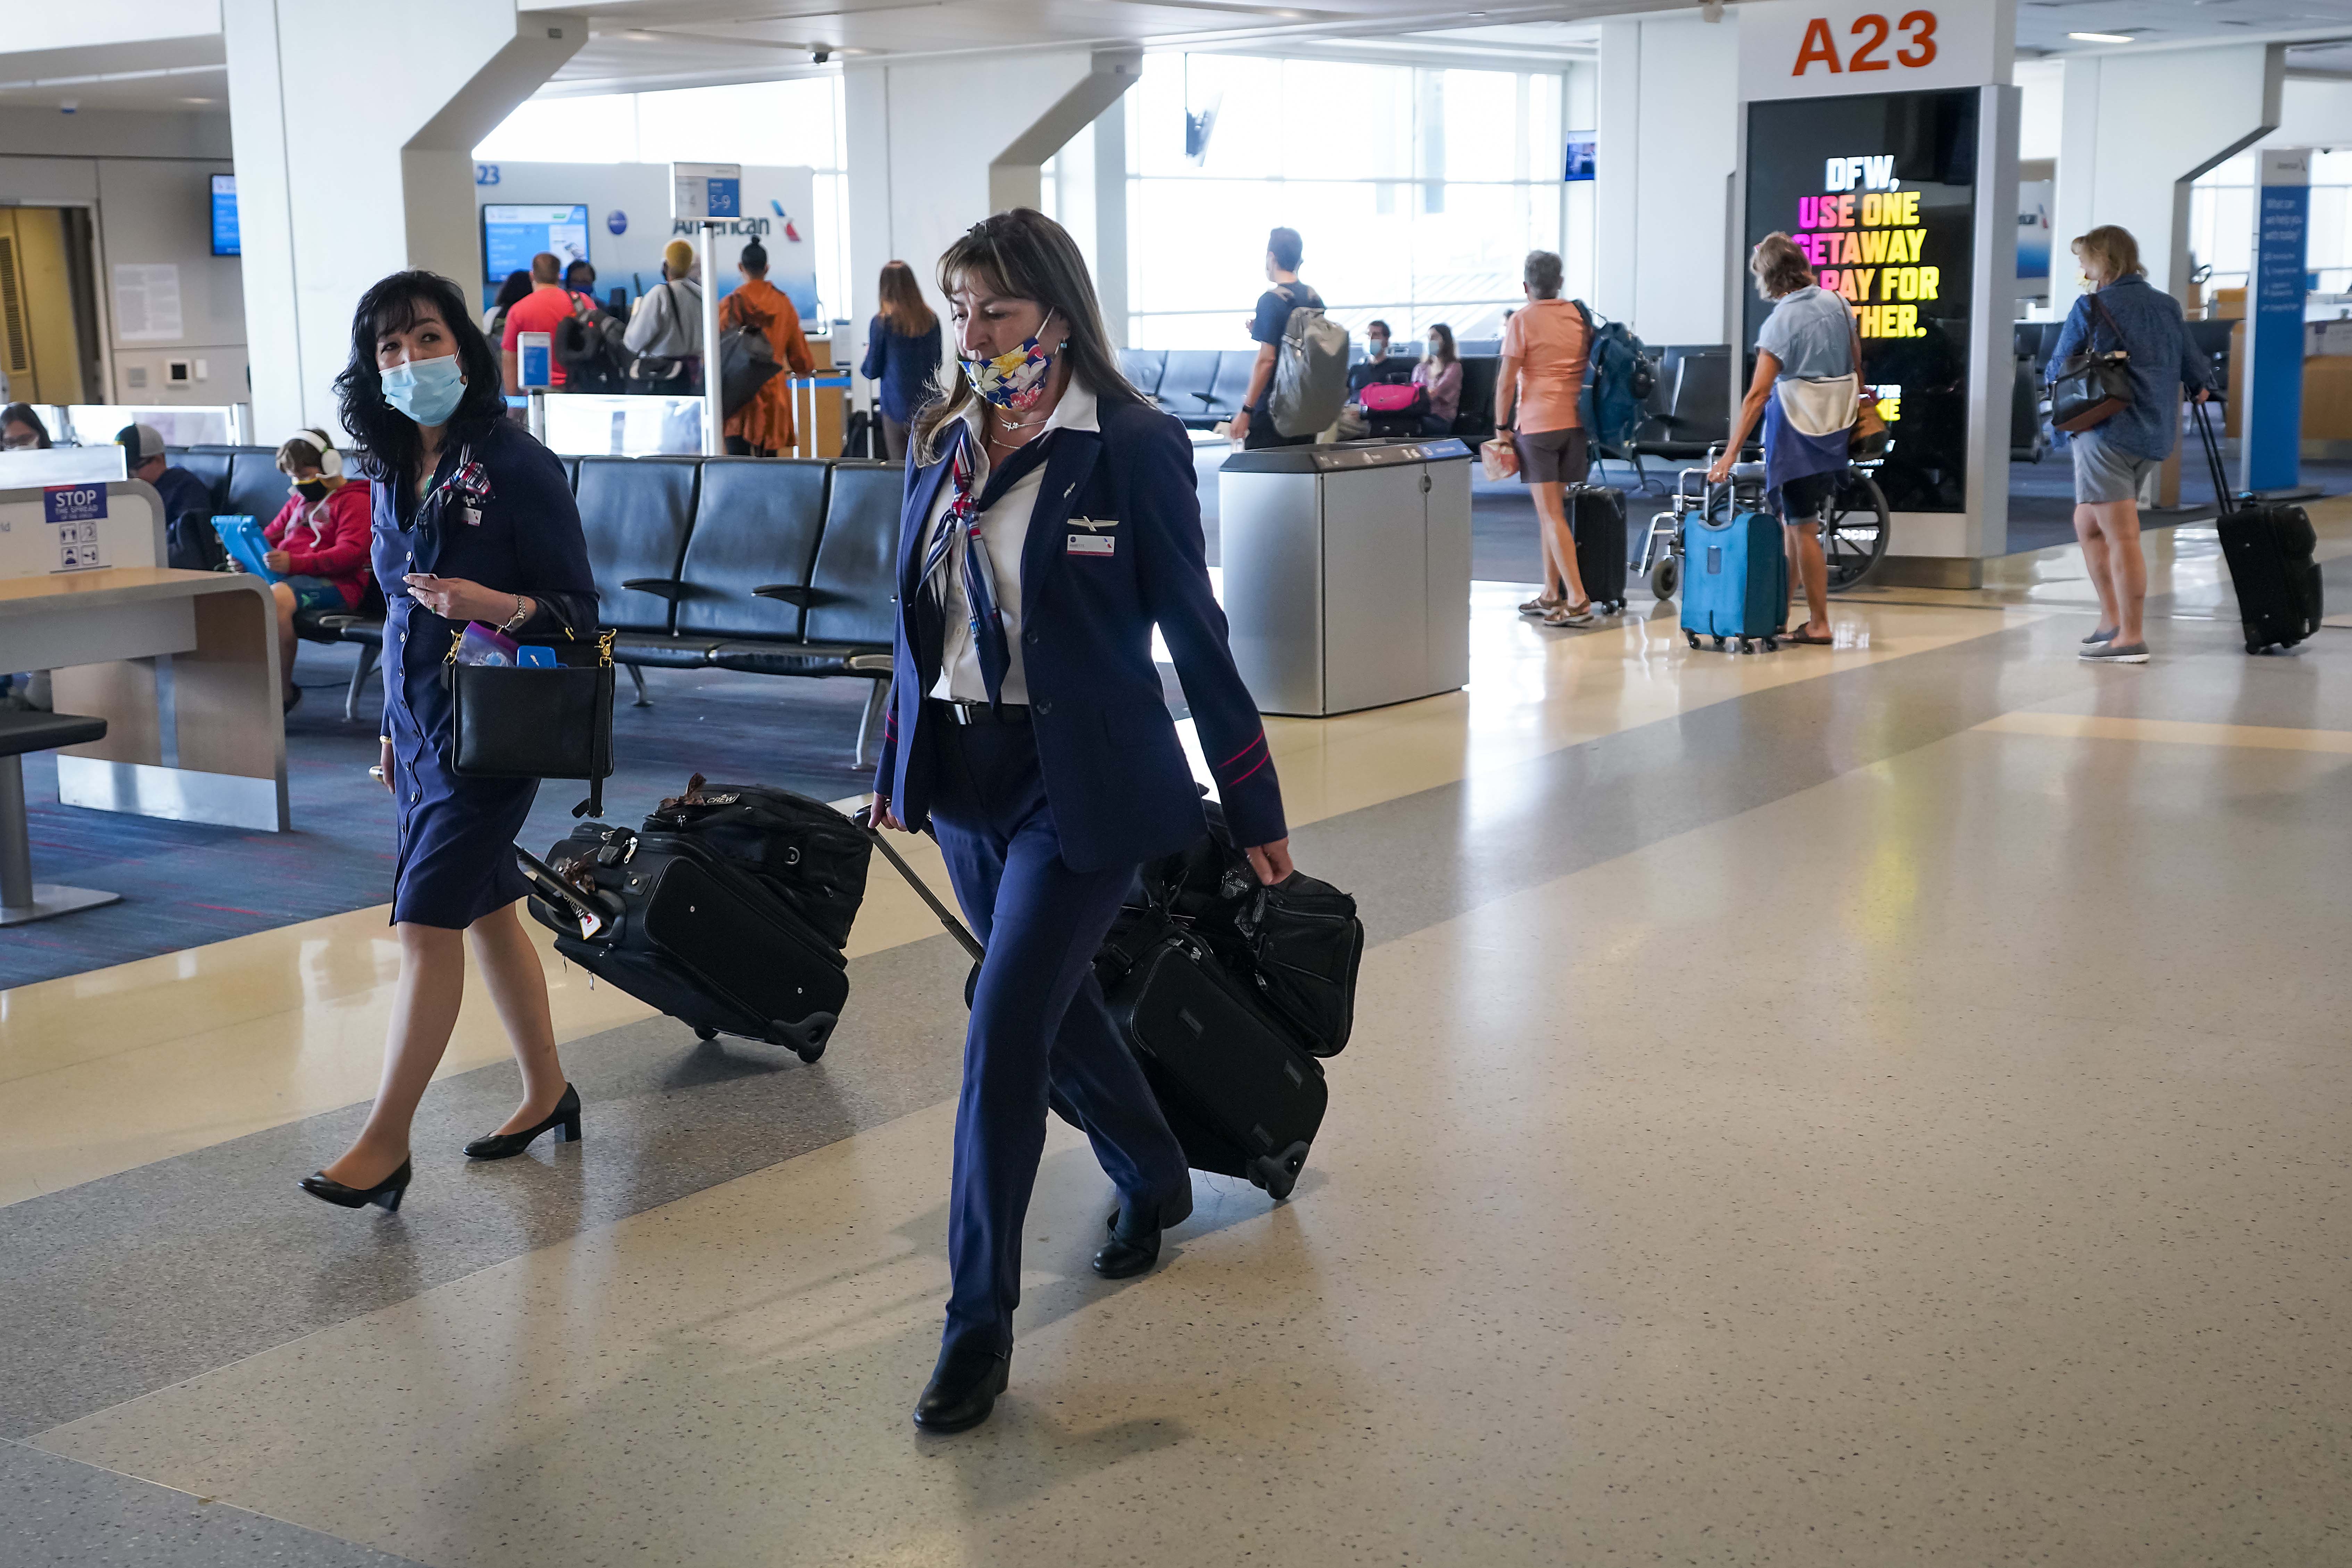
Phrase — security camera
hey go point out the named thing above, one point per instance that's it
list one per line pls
(822, 56)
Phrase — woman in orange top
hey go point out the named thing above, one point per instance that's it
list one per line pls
(763, 426)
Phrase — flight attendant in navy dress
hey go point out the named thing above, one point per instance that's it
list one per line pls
(473, 521)
(1050, 523)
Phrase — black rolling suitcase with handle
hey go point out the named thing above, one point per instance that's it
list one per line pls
(676, 925)
(1596, 515)
(1240, 1095)
(2269, 547)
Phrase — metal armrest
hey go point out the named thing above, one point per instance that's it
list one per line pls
(668, 587)
(790, 594)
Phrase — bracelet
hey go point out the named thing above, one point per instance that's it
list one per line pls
(522, 613)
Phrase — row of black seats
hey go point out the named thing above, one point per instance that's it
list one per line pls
(1204, 387)
(773, 566)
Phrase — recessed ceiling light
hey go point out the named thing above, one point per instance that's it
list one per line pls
(2104, 37)
(640, 36)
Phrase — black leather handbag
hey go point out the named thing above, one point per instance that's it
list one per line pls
(2093, 386)
(511, 721)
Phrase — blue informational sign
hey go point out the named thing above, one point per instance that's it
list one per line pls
(726, 197)
(2271, 442)
(225, 236)
(1580, 150)
(486, 173)
(73, 504)
(532, 357)
(617, 221)
(512, 235)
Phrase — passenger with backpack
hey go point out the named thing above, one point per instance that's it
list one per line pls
(1300, 381)
(665, 328)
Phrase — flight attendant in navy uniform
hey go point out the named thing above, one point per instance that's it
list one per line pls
(473, 522)
(1050, 523)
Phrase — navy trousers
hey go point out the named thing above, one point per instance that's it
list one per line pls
(1039, 1030)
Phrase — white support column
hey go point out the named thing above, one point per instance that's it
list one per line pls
(923, 169)
(342, 179)
(1669, 107)
(1579, 103)
(1110, 218)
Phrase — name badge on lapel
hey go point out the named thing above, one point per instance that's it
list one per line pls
(472, 516)
(1096, 539)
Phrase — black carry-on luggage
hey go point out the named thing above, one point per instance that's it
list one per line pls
(727, 922)
(1596, 515)
(1239, 1093)
(2269, 547)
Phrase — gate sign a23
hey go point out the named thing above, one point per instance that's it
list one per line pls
(1871, 33)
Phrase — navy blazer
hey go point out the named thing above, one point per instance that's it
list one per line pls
(1115, 772)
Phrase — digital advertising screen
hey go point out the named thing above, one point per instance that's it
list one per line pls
(1879, 190)
(512, 235)
(224, 240)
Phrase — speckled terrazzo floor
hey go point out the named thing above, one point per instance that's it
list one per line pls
(1891, 1111)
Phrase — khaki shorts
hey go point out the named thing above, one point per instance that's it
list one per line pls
(1551, 456)
(2106, 473)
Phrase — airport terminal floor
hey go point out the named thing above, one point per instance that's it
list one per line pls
(1875, 1104)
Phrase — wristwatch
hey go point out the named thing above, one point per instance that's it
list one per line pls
(522, 613)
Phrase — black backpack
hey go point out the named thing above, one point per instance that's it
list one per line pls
(803, 850)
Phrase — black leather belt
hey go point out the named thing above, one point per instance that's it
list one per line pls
(969, 713)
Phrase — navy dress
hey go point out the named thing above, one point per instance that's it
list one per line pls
(499, 513)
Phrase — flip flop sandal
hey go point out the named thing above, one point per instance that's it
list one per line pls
(1802, 635)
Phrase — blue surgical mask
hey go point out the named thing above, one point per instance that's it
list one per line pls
(428, 390)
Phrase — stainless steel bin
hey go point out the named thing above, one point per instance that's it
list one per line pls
(1346, 572)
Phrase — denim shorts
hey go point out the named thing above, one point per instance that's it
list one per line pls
(317, 593)
(2106, 473)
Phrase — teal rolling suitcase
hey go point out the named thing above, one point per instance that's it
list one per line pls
(1735, 580)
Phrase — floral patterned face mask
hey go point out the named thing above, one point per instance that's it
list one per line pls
(1016, 378)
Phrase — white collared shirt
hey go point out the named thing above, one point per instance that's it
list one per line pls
(1004, 528)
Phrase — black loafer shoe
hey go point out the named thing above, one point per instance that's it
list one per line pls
(1123, 1258)
(963, 1387)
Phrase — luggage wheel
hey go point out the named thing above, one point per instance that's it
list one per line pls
(1693, 638)
(1745, 646)
(706, 1035)
(1719, 645)
(807, 1037)
(1278, 1173)
(1771, 645)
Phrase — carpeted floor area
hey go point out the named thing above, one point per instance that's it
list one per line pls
(183, 884)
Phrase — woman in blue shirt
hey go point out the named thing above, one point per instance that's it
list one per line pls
(902, 352)
(2113, 458)
(1806, 390)
(473, 522)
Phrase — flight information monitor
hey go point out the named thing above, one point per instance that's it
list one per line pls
(512, 235)
(224, 240)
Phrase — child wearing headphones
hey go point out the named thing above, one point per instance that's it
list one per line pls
(318, 542)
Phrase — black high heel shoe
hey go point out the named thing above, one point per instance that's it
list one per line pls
(564, 1119)
(386, 1194)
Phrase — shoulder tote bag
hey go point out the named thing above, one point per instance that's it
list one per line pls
(515, 721)
(2093, 386)
(1819, 406)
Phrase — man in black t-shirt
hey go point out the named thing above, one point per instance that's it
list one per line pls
(1378, 365)
(1253, 426)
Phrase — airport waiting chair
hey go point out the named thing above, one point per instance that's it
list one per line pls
(1186, 385)
(1231, 385)
(21, 899)
(1699, 414)
(1143, 369)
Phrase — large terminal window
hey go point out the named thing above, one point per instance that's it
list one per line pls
(1418, 191)
(1880, 191)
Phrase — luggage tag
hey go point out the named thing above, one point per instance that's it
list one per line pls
(1092, 542)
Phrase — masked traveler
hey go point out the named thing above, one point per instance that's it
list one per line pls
(1050, 524)
(319, 541)
(1439, 374)
(21, 429)
(1807, 391)
(473, 522)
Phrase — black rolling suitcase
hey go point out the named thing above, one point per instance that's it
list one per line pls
(2269, 547)
(1240, 1095)
(676, 925)
(1596, 515)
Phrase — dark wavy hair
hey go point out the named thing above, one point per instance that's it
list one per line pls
(22, 414)
(1025, 255)
(388, 436)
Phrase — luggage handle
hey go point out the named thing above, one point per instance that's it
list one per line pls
(2225, 500)
(593, 921)
(955, 928)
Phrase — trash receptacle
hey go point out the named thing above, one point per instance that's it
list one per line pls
(1346, 572)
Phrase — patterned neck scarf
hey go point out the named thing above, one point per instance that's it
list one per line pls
(979, 573)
